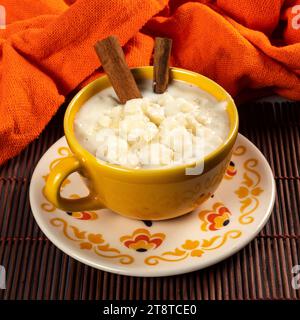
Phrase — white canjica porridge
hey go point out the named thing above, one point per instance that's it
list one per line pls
(180, 126)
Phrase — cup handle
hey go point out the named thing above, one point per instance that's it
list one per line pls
(53, 185)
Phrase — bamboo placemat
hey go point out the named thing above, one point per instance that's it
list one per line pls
(36, 269)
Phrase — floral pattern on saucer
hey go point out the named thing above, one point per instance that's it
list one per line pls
(105, 240)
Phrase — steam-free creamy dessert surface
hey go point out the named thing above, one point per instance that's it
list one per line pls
(180, 126)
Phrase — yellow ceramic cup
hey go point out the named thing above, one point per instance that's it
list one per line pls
(148, 194)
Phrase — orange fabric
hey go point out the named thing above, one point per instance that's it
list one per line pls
(46, 50)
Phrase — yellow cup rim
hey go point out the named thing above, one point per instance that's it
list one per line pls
(141, 72)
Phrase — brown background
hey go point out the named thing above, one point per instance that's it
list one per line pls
(36, 269)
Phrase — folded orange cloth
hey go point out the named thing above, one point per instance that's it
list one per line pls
(47, 50)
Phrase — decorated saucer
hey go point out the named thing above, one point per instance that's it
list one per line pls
(220, 227)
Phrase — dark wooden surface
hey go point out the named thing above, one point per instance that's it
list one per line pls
(36, 269)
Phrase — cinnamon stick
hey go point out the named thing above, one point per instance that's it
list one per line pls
(114, 64)
(162, 52)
